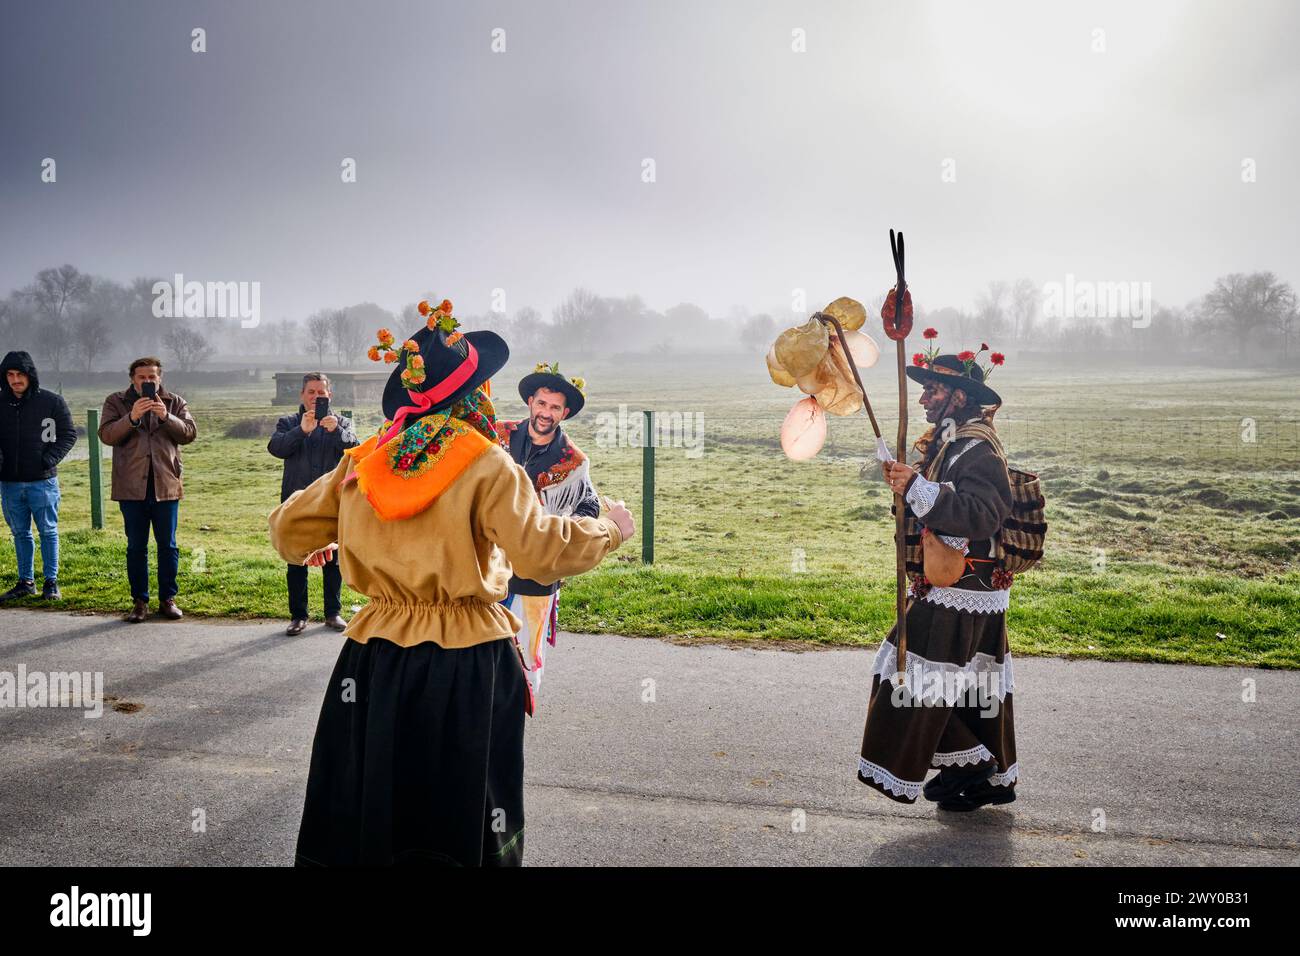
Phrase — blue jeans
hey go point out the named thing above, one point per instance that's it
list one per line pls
(23, 502)
(138, 517)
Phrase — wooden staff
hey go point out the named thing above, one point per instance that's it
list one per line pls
(900, 552)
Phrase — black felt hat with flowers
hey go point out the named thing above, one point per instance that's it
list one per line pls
(548, 376)
(961, 371)
(438, 364)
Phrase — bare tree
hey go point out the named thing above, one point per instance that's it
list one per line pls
(990, 309)
(1245, 302)
(347, 335)
(1024, 308)
(758, 332)
(318, 335)
(527, 332)
(54, 293)
(1287, 323)
(91, 340)
(578, 319)
(187, 345)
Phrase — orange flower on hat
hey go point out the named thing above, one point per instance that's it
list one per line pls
(373, 353)
(415, 361)
(385, 337)
(445, 307)
(390, 357)
(424, 308)
(410, 345)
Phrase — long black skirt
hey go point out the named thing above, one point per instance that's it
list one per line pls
(930, 723)
(418, 758)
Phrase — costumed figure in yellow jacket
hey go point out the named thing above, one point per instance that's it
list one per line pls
(418, 754)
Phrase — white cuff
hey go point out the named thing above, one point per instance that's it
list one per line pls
(922, 495)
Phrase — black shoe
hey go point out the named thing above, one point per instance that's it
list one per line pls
(336, 621)
(979, 795)
(51, 591)
(20, 590)
(950, 783)
(296, 626)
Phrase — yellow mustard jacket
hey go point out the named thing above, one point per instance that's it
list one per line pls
(440, 574)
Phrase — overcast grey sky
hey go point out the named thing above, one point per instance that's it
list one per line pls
(775, 169)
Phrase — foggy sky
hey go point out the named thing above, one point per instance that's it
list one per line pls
(522, 170)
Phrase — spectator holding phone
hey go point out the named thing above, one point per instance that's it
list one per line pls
(311, 444)
(146, 425)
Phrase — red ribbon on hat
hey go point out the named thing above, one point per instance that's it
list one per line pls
(425, 400)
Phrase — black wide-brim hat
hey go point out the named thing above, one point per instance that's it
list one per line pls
(573, 399)
(441, 361)
(954, 376)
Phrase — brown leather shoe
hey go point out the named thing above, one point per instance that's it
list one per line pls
(138, 613)
(168, 609)
(336, 621)
(296, 626)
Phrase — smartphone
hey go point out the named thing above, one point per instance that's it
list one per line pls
(150, 390)
(322, 408)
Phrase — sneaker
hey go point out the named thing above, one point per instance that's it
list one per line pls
(20, 590)
(51, 591)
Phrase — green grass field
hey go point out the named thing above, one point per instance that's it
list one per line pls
(1173, 504)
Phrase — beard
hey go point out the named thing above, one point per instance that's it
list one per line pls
(542, 429)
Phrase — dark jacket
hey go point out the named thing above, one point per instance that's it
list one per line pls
(36, 431)
(307, 457)
(150, 448)
(970, 500)
(536, 459)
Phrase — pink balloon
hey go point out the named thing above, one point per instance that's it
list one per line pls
(804, 430)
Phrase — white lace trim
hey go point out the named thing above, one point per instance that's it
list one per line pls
(903, 788)
(952, 541)
(926, 678)
(922, 495)
(1005, 779)
(953, 460)
(973, 602)
(960, 758)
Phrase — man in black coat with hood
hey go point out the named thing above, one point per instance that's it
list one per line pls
(36, 432)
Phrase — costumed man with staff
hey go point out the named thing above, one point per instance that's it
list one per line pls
(561, 474)
(957, 498)
(418, 753)
(966, 523)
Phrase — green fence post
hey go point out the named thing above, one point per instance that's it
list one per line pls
(96, 471)
(648, 490)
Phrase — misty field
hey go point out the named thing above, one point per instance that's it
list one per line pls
(1173, 505)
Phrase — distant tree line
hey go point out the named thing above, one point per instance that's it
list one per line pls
(70, 320)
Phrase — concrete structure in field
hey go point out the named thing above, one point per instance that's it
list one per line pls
(351, 389)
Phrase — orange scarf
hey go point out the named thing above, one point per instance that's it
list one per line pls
(408, 473)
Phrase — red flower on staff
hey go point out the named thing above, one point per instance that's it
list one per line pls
(997, 358)
(931, 333)
(967, 356)
(919, 359)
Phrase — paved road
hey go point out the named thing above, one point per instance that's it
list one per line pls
(734, 748)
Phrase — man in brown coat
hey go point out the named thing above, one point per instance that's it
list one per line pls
(146, 425)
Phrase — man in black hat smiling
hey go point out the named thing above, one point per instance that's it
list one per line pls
(561, 474)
